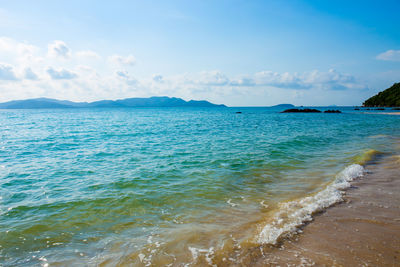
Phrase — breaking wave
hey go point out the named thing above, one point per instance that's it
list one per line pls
(295, 213)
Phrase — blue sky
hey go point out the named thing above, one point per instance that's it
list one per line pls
(240, 53)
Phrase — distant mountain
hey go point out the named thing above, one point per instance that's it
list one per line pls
(387, 98)
(38, 103)
(283, 106)
(161, 101)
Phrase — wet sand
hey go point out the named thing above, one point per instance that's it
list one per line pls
(364, 230)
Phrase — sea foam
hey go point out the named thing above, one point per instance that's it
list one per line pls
(295, 213)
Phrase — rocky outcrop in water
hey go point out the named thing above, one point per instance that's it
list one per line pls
(332, 111)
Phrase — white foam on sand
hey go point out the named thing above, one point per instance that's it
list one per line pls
(295, 213)
(209, 254)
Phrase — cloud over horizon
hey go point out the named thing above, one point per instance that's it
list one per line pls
(7, 72)
(88, 54)
(59, 49)
(31, 71)
(61, 74)
(30, 75)
(129, 60)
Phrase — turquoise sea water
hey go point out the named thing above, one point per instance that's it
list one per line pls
(167, 186)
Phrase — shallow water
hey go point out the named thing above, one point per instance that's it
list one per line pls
(363, 230)
(165, 186)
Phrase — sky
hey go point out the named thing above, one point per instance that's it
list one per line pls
(238, 53)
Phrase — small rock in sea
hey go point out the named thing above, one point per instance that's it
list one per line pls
(380, 109)
(332, 111)
(238, 112)
(306, 110)
(356, 109)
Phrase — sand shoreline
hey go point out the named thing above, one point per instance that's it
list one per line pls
(383, 113)
(364, 230)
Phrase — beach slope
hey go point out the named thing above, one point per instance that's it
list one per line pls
(364, 230)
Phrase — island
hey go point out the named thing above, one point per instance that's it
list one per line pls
(283, 106)
(155, 101)
(387, 98)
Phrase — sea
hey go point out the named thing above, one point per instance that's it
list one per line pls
(173, 186)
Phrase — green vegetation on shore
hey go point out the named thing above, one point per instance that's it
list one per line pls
(387, 98)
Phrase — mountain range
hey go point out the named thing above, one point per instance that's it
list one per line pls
(156, 101)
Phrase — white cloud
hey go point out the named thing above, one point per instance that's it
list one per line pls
(11, 46)
(314, 79)
(18, 53)
(88, 54)
(26, 66)
(59, 49)
(7, 45)
(158, 78)
(215, 77)
(120, 60)
(122, 74)
(280, 80)
(29, 74)
(390, 55)
(243, 81)
(7, 72)
(61, 74)
(125, 75)
(330, 80)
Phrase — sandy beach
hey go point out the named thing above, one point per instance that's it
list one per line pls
(364, 230)
(384, 113)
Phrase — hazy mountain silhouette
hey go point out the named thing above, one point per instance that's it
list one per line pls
(156, 101)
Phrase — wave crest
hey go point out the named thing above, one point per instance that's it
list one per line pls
(295, 213)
